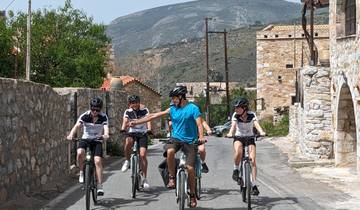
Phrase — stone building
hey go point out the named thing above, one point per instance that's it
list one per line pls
(345, 57)
(281, 51)
(326, 122)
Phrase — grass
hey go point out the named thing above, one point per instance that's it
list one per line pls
(280, 129)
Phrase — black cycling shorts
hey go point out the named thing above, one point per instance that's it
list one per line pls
(244, 139)
(95, 147)
(142, 139)
(190, 150)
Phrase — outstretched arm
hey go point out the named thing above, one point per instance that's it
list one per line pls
(150, 117)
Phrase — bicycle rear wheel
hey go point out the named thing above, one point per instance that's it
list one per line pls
(248, 184)
(134, 176)
(182, 193)
(94, 188)
(87, 186)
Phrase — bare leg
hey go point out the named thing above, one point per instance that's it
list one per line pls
(171, 161)
(143, 161)
(80, 158)
(127, 148)
(252, 152)
(99, 168)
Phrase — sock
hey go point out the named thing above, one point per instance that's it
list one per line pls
(253, 183)
(236, 167)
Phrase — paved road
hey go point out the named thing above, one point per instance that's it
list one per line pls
(280, 187)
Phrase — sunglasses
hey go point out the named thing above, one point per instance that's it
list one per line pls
(95, 110)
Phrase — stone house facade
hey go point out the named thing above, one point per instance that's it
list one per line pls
(345, 90)
(327, 121)
(281, 51)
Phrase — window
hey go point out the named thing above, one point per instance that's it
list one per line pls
(316, 34)
(350, 17)
(265, 36)
(289, 66)
(276, 36)
(290, 36)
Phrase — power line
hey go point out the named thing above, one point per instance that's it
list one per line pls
(9, 5)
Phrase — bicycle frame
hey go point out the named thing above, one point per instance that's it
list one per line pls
(182, 167)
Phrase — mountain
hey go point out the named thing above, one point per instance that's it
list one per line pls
(185, 61)
(173, 23)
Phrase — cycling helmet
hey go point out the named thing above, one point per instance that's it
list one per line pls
(242, 102)
(133, 99)
(178, 91)
(96, 102)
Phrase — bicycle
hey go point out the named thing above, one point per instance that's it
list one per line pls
(135, 164)
(244, 179)
(182, 179)
(90, 182)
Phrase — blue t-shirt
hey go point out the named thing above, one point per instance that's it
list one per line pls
(183, 121)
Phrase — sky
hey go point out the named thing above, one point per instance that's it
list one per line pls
(103, 11)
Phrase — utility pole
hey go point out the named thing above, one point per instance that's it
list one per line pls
(226, 69)
(207, 103)
(28, 42)
(312, 52)
(226, 75)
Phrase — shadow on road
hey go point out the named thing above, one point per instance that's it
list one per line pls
(143, 198)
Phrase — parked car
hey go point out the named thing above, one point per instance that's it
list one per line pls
(222, 130)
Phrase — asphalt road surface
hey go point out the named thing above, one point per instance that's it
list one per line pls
(280, 186)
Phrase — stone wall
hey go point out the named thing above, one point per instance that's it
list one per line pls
(32, 137)
(35, 121)
(311, 125)
(345, 65)
(280, 51)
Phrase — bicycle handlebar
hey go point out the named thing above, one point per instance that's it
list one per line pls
(253, 136)
(98, 139)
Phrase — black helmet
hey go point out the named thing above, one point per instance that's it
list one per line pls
(242, 102)
(178, 90)
(96, 102)
(133, 99)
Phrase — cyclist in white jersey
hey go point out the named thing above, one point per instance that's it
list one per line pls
(95, 125)
(136, 111)
(243, 122)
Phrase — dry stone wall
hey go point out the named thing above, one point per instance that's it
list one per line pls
(35, 121)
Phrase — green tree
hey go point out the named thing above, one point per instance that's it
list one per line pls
(67, 49)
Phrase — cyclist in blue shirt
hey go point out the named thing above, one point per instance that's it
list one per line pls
(187, 129)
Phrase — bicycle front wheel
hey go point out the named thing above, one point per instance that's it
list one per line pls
(87, 186)
(198, 188)
(134, 176)
(248, 184)
(182, 193)
(94, 188)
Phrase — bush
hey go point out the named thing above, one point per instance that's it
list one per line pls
(280, 129)
(114, 149)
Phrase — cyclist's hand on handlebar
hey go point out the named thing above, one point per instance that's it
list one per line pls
(229, 135)
(70, 137)
(122, 131)
(262, 134)
(202, 140)
(105, 137)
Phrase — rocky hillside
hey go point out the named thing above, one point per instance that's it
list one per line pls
(173, 23)
(185, 61)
